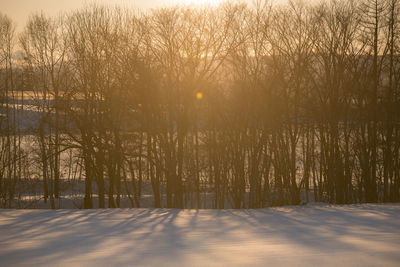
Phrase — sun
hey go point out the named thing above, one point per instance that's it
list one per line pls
(199, 95)
(199, 2)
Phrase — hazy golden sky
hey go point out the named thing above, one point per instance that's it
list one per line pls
(19, 10)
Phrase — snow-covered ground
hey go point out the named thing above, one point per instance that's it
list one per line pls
(313, 235)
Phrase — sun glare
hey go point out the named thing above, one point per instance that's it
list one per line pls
(199, 2)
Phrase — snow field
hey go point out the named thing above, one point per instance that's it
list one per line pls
(314, 235)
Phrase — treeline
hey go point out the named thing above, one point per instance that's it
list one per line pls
(250, 106)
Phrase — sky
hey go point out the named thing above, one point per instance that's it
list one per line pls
(19, 10)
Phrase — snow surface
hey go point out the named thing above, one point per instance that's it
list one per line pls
(314, 235)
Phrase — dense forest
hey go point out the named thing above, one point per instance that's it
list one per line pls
(246, 105)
